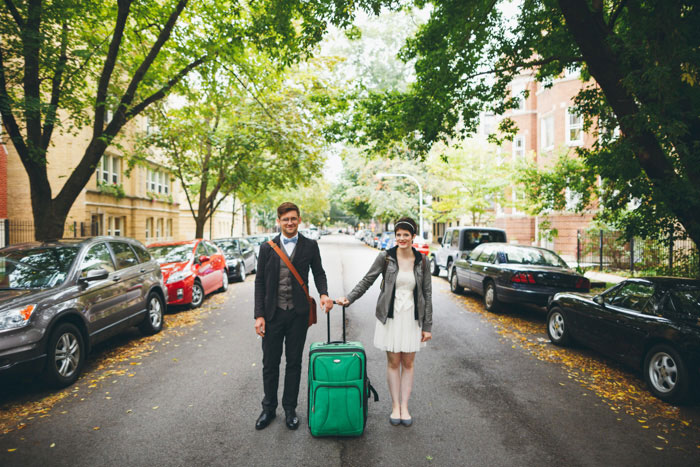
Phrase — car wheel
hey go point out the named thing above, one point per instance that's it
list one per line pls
(241, 275)
(224, 281)
(666, 374)
(491, 302)
(153, 323)
(197, 295)
(557, 327)
(434, 268)
(65, 356)
(454, 283)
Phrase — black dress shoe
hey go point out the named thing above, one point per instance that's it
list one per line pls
(292, 420)
(264, 419)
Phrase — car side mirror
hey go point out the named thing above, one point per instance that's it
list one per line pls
(599, 300)
(98, 274)
(440, 241)
(203, 259)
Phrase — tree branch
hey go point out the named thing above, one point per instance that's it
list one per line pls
(15, 14)
(137, 109)
(8, 118)
(50, 118)
(141, 71)
(253, 95)
(31, 39)
(108, 68)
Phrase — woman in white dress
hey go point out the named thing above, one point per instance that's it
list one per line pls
(404, 313)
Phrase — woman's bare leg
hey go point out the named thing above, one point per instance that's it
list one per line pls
(407, 360)
(393, 377)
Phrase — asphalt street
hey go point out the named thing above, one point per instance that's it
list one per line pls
(191, 399)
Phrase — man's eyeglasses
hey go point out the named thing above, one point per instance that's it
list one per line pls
(287, 220)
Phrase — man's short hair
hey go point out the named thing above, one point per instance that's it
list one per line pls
(284, 208)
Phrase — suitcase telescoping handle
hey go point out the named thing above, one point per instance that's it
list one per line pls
(328, 326)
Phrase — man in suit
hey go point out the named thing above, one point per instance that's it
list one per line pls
(282, 311)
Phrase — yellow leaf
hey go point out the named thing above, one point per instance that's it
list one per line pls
(96, 428)
(658, 448)
(11, 450)
(92, 386)
(53, 445)
(155, 408)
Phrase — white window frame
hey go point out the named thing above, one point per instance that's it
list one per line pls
(517, 90)
(149, 228)
(109, 170)
(169, 228)
(159, 227)
(115, 226)
(571, 199)
(547, 129)
(157, 181)
(518, 150)
(578, 126)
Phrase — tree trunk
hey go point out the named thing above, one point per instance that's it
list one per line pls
(247, 219)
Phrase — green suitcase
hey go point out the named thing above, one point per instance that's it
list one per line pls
(339, 388)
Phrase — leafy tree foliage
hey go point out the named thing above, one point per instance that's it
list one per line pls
(640, 59)
(467, 180)
(65, 63)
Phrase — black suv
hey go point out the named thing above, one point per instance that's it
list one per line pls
(58, 299)
(458, 242)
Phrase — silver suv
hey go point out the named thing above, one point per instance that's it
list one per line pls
(457, 242)
(58, 299)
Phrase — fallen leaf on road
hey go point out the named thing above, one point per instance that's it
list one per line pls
(155, 408)
(11, 450)
(96, 428)
(53, 445)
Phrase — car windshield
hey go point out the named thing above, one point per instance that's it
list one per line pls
(36, 268)
(257, 240)
(172, 253)
(534, 256)
(229, 247)
(687, 300)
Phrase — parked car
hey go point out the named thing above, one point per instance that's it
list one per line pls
(58, 299)
(386, 240)
(191, 270)
(651, 324)
(240, 257)
(258, 239)
(457, 242)
(422, 246)
(504, 273)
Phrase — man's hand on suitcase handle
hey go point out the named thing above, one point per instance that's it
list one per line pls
(326, 303)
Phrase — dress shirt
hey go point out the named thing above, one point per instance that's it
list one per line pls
(289, 247)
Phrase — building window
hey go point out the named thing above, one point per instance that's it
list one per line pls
(169, 228)
(108, 170)
(547, 132)
(115, 226)
(572, 199)
(158, 182)
(574, 128)
(149, 228)
(159, 228)
(517, 90)
(519, 148)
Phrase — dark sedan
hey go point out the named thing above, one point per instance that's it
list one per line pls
(240, 256)
(652, 324)
(505, 273)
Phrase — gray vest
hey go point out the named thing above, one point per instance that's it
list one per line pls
(284, 291)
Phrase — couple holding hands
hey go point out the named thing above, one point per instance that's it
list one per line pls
(404, 311)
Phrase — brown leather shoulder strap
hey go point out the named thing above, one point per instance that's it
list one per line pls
(291, 267)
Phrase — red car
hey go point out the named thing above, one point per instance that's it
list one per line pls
(191, 270)
(422, 246)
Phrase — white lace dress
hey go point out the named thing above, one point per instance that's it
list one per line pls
(402, 333)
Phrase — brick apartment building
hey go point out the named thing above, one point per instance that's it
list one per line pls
(547, 126)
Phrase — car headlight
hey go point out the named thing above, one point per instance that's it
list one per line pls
(232, 263)
(179, 276)
(16, 317)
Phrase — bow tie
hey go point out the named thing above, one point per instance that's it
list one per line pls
(289, 240)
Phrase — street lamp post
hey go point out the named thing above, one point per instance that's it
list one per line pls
(420, 195)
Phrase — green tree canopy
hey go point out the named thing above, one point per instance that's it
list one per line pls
(640, 58)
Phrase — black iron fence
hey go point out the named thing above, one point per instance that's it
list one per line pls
(20, 231)
(611, 251)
